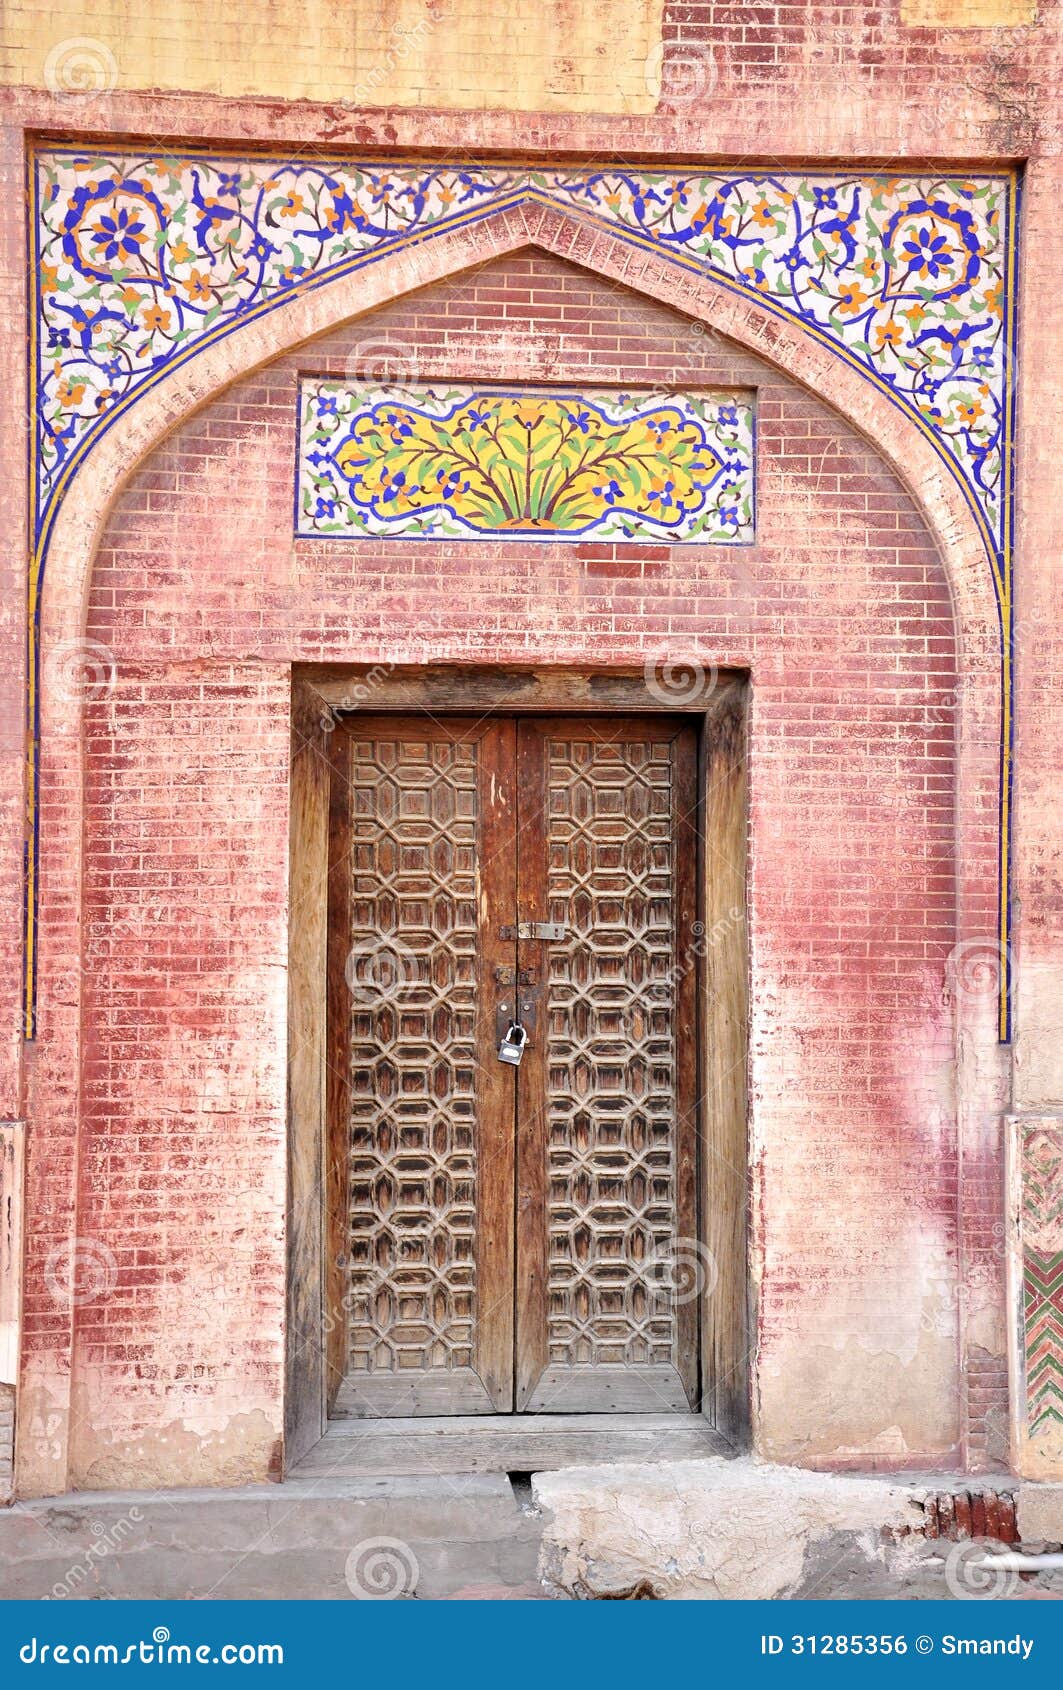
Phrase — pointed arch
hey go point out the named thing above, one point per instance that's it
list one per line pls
(174, 394)
(163, 404)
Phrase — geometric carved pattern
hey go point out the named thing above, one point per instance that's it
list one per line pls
(1042, 1277)
(611, 1103)
(442, 834)
(1043, 1316)
(413, 977)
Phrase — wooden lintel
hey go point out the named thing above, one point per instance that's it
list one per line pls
(478, 688)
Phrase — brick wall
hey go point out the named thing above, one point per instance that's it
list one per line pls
(463, 53)
(624, 56)
(843, 614)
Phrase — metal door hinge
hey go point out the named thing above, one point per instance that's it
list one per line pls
(534, 930)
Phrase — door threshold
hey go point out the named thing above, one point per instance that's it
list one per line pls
(506, 1443)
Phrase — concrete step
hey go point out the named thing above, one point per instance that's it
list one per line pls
(430, 1537)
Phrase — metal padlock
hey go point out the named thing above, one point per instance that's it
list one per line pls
(511, 1048)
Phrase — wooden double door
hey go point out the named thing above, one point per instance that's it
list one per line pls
(513, 1237)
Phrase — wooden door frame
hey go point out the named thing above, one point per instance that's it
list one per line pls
(320, 694)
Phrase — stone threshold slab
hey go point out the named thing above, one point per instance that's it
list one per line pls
(505, 1443)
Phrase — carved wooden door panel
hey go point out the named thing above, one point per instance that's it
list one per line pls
(608, 1263)
(420, 880)
(512, 1237)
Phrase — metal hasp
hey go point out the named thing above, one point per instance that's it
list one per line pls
(534, 930)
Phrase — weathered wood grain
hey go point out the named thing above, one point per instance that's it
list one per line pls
(726, 1321)
(304, 1416)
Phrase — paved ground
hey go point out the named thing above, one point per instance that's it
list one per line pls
(426, 1537)
(705, 1528)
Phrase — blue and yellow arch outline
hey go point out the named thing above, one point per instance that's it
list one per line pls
(505, 187)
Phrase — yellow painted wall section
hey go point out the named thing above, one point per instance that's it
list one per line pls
(521, 55)
(968, 14)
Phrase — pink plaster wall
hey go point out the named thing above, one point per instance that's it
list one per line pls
(843, 614)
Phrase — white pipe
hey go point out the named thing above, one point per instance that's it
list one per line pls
(1013, 1562)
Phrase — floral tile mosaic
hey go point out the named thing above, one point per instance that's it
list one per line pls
(458, 463)
(142, 259)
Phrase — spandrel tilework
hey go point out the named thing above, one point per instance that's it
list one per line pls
(143, 259)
